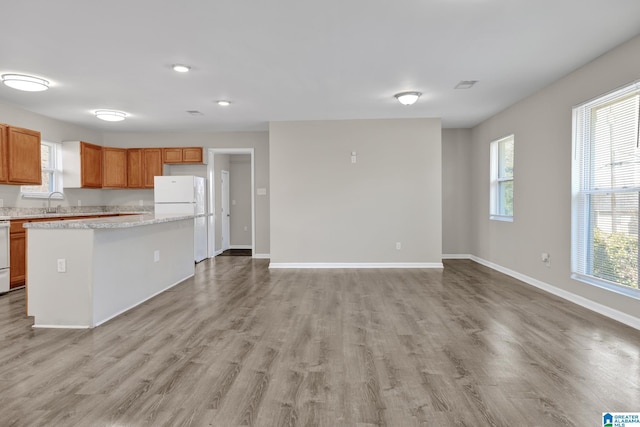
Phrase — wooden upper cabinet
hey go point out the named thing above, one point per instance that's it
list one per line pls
(90, 165)
(192, 155)
(173, 155)
(114, 162)
(22, 151)
(151, 165)
(134, 168)
(4, 176)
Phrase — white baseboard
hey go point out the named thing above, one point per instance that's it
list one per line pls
(355, 265)
(218, 252)
(456, 256)
(262, 256)
(240, 247)
(604, 310)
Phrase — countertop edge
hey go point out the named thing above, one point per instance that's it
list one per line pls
(126, 221)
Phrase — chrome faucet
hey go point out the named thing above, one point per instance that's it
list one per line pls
(54, 210)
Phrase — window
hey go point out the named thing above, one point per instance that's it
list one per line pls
(606, 189)
(502, 179)
(51, 172)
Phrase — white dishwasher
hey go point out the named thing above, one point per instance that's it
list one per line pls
(4, 256)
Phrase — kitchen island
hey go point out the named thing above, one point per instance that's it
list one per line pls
(81, 273)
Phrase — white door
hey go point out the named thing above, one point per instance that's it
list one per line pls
(226, 215)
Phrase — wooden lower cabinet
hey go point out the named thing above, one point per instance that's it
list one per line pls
(17, 251)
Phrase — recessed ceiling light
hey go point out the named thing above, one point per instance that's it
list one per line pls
(24, 82)
(466, 84)
(111, 115)
(181, 68)
(223, 103)
(408, 98)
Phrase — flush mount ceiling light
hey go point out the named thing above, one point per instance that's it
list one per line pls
(24, 82)
(111, 115)
(223, 103)
(408, 98)
(181, 68)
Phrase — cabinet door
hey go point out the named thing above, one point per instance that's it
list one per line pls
(115, 167)
(134, 168)
(17, 254)
(172, 155)
(90, 165)
(192, 155)
(152, 165)
(3, 153)
(23, 156)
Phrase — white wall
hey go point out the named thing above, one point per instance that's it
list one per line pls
(324, 209)
(240, 195)
(259, 141)
(542, 172)
(456, 191)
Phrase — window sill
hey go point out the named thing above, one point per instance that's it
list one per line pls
(609, 286)
(41, 196)
(503, 218)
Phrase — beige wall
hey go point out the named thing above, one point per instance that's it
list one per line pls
(324, 209)
(542, 172)
(456, 191)
(259, 141)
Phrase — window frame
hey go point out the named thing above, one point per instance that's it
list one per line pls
(56, 175)
(495, 182)
(581, 193)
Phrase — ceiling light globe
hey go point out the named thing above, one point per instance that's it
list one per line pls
(180, 68)
(25, 83)
(111, 115)
(407, 98)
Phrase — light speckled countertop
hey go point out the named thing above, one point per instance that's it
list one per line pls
(65, 215)
(126, 221)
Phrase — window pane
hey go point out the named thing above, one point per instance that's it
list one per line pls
(46, 156)
(505, 159)
(614, 138)
(614, 237)
(505, 198)
(46, 187)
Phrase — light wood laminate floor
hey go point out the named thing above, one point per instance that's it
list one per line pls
(240, 345)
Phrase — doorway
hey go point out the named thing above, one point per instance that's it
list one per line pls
(217, 162)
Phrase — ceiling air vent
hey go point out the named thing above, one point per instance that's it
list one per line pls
(466, 84)
(195, 113)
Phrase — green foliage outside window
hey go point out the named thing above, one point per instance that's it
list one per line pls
(615, 257)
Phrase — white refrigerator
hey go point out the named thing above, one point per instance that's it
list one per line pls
(184, 195)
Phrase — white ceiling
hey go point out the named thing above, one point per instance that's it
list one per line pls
(297, 59)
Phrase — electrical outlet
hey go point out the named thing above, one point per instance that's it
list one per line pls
(62, 265)
(546, 259)
(1, 203)
(398, 245)
(79, 202)
(141, 202)
(246, 228)
(156, 255)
